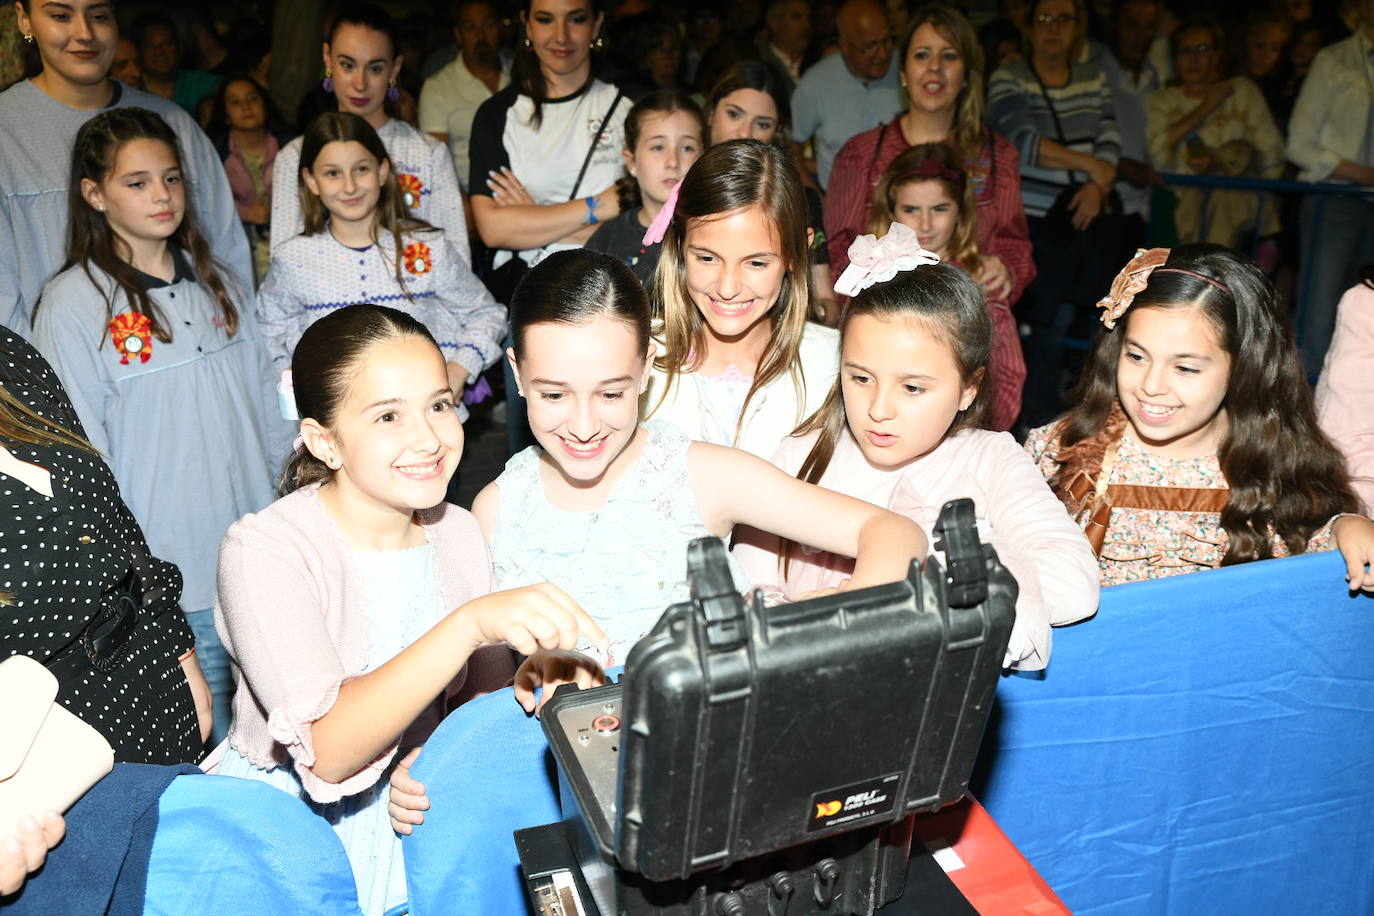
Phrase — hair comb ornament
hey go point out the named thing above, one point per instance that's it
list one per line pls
(1129, 282)
(1135, 276)
(659, 227)
(876, 260)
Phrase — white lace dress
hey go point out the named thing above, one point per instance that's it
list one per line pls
(402, 588)
(626, 562)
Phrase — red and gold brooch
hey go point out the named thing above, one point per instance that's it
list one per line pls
(410, 190)
(133, 336)
(417, 258)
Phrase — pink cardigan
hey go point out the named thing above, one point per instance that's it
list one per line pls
(290, 615)
(1032, 532)
(1345, 393)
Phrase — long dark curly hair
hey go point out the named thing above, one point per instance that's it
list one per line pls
(1286, 478)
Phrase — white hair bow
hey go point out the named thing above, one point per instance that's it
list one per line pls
(875, 260)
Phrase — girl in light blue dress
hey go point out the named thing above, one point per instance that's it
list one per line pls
(603, 507)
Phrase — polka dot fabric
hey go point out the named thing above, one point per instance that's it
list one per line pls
(60, 555)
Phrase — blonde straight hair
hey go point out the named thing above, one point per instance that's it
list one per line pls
(732, 176)
(967, 134)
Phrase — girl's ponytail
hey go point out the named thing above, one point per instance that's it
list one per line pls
(302, 469)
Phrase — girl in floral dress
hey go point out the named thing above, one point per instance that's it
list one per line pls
(359, 246)
(1194, 442)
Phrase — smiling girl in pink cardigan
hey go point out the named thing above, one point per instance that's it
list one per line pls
(354, 607)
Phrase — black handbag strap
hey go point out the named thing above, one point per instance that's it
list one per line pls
(591, 151)
(1058, 128)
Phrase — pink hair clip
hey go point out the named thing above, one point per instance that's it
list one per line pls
(659, 227)
(876, 260)
(1129, 282)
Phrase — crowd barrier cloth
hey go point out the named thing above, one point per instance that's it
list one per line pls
(1205, 744)
(227, 845)
(488, 772)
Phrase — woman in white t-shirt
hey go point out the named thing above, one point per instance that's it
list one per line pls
(545, 150)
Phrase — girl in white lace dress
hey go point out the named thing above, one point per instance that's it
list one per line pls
(604, 507)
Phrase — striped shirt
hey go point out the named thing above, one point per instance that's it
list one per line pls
(1018, 107)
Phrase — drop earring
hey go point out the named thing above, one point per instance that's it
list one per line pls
(599, 44)
(328, 84)
(28, 39)
(528, 43)
(392, 93)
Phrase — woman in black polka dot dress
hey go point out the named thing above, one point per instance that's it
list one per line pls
(78, 589)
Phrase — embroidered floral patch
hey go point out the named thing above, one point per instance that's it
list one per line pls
(133, 336)
(417, 258)
(410, 190)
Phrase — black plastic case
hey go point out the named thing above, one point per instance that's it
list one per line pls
(771, 739)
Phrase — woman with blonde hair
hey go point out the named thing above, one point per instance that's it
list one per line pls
(942, 75)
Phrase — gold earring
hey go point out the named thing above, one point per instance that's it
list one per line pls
(528, 43)
(600, 43)
(28, 39)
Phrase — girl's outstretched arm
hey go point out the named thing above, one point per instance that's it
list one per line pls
(373, 710)
(334, 725)
(733, 487)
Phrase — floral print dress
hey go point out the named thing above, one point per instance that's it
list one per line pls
(1153, 543)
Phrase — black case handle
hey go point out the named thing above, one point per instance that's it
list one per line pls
(713, 590)
(966, 571)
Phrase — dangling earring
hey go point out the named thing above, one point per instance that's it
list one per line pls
(528, 43)
(328, 83)
(392, 93)
(28, 39)
(599, 44)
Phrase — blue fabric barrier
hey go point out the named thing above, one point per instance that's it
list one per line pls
(1205, 744)
(101, 866)
(488, 772)
(227, 845)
